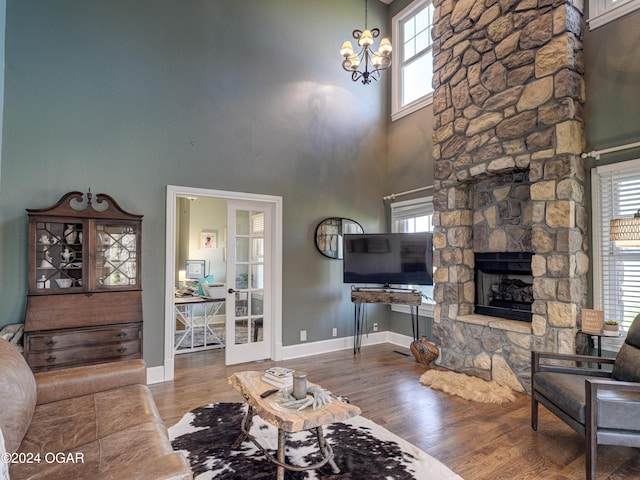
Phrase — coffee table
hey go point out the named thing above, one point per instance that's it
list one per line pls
(250, 385)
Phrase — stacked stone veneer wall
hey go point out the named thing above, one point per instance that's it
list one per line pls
(502, 213)
(508, 102)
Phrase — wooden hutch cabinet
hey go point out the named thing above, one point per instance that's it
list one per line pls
(84, 301)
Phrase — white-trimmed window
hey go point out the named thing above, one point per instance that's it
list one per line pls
(602, 12)
(616, 270)
(414, 216)
(413, 59)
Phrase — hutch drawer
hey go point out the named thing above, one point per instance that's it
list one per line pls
(68, 357)
(55, 340)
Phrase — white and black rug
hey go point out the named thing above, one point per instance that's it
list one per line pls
(362, 449)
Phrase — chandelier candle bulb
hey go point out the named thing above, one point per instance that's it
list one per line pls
(385, 46)
(366, 39)
(346, 50)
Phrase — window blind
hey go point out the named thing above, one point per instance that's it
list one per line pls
(411, 209)
(413, 216)
(619, 195)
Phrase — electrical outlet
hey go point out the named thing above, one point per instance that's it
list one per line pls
(334, 332)
(375, 327)
(303, 335)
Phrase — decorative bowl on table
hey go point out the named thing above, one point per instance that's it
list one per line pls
(64, 282)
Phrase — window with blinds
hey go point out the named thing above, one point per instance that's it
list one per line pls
(616, 280)
(413, 216)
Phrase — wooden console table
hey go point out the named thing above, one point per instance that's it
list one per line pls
(361, 296)
(251, 386)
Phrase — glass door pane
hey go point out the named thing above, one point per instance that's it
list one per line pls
(116, 256)
(59, 255)
(247, 323)
(249, 276)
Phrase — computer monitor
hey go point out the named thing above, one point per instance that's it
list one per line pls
(195, 269)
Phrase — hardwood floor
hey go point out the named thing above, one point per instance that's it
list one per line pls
(477, 441)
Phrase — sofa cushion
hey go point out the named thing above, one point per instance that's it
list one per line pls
(70, 423)
(619, 410)
(566, 390)
(54, 385)
(137, 448)
(627, 365)
(17, 395)
(633, 335)
(616, 409)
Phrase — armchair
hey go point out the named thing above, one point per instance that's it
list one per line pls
(601, 405)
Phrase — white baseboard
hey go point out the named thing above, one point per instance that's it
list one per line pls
(399, 339)
(344, 343)
(156, 375)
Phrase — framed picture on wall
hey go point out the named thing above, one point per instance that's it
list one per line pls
(208, 239)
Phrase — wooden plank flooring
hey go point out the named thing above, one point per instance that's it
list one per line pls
(477, 441)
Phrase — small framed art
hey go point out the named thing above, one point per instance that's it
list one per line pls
(208, 240)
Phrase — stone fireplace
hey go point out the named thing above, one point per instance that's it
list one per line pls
(504, 285)
(508, 177)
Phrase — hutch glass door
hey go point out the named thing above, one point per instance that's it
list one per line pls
(116, 255)
(58, 255)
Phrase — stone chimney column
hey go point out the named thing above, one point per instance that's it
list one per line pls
(508, 109)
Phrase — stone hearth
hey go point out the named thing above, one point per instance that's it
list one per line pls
(508, 101)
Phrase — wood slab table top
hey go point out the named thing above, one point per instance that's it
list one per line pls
(250, 385)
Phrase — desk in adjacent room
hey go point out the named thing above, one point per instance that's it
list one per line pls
(198, 317)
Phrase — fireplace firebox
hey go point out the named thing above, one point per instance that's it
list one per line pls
(504, 285)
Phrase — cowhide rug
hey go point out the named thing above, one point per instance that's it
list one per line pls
(362, 449)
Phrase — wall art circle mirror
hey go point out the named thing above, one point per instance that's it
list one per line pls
(329, 234)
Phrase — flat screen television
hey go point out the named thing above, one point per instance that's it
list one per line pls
(388, 258)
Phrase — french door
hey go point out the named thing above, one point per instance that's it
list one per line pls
(248, 318)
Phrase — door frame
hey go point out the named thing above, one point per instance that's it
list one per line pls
(273, 202)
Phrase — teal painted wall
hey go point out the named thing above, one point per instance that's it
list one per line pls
(410, 167)
(239, 95)
(612, 76)
(3, 21)
(612, 110)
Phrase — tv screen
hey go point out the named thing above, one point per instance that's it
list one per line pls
(389, 258)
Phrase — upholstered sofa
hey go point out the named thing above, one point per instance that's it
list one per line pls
(93, 422)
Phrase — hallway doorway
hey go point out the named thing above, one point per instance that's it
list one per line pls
(248, 263)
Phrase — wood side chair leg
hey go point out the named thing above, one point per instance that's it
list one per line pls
(534, 412)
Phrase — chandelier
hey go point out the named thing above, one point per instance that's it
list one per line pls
(368, 57)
